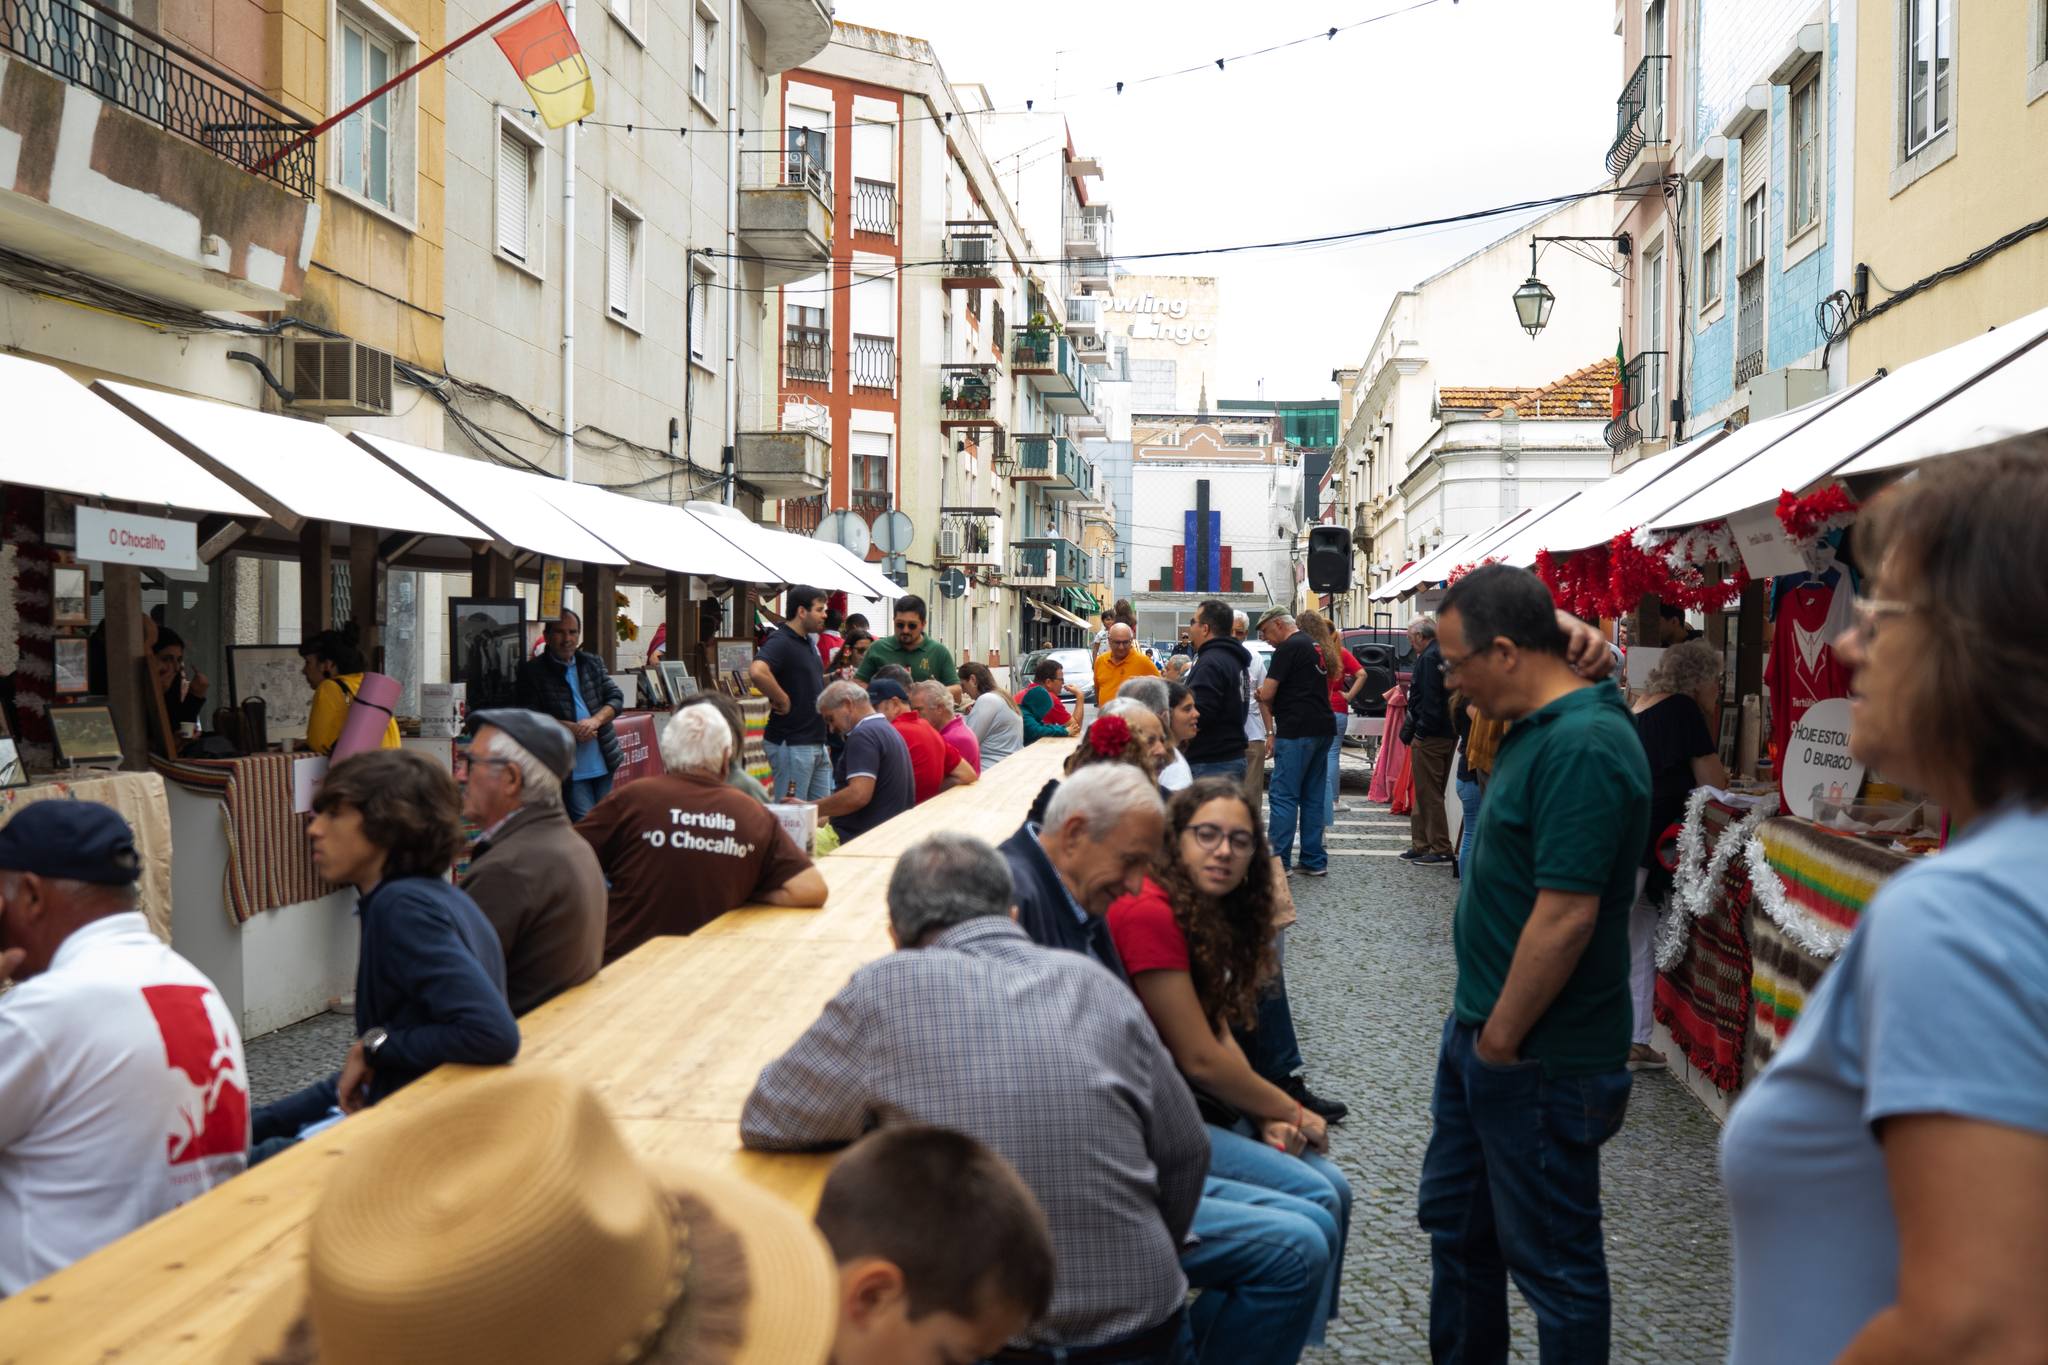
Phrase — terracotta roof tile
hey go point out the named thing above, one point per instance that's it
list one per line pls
(1582, 393)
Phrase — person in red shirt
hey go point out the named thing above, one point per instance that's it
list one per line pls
(935, 764)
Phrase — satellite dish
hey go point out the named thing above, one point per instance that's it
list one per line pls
(952, 583)
(844, 528)
(892, 532)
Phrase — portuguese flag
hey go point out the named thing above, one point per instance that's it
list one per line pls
(1620, 382)
(544, 52)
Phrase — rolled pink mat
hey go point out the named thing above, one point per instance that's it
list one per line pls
(369, 715)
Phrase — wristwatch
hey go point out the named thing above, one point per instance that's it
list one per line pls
(372, 1041)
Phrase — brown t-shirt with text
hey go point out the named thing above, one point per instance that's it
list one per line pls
(680, 850)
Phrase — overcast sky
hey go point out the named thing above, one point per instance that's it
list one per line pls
(1455, 107)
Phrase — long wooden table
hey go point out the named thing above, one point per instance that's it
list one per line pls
(671, 1037)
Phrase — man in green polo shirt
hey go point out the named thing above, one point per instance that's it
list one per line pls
(926, 658)
(1533, 1076)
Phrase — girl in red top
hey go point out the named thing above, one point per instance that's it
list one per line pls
(1197, 942)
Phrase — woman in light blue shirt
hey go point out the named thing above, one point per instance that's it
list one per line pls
(1888, 1175)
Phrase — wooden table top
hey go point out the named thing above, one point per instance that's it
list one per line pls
(671, 1037)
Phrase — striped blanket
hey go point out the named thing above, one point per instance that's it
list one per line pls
(1705, 999)
(270, 860)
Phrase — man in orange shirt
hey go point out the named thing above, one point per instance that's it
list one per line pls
(934, 763)
(1120, 663)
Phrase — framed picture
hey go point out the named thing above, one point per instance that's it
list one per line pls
(486, 645)
(85, 734)
(277, 674)
(68, 590)
(653, 694)
(69, 659)
(677, 682)
(13, 772)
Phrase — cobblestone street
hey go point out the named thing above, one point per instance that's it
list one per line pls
(1370, 973)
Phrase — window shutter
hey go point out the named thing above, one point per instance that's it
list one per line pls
(1756, 157)
(619, 266)
(515, 172)
(699, 316)
(1713, 207)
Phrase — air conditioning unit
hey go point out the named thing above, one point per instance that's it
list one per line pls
(972, 250)
(949, 540)
(339, 378)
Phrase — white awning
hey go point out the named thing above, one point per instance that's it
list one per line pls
(294, 471)
(2010, 401)
(789, 559)
(1050, 609)
(1530, 521)
(64, 438)
(1394, 587)
(1847, 430)
(656, 534)
(1579, 525)
(881, 586)
(506, 502)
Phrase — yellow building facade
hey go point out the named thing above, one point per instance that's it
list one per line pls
(1951, 138)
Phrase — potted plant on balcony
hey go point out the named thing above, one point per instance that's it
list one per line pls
(967, 393)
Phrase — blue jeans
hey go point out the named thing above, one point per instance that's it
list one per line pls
(1298, 791)
(1180, 1352)
(1260, 1260)
(1336, 761)
(580, 794)
(1233, 768)
(1235, 1156)
(1468, 797)
(809, 766)
(1270, 1045)
(1511, 1186)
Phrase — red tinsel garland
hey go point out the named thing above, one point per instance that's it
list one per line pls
(1455, 574)
(1805, 518)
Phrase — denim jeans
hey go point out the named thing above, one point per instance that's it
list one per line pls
(1468, 798)
(1260, 1260)
(1270, 1045)
(1236, 1156)
(1336, 765)
(1180, 1352)
(580, 794)
(1300, 777)
(1229, 767)
(809, 766)
(1511, 1186)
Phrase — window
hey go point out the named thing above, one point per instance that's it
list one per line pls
(1653, 342)
(806, 344)
(1802, 156)
(871, 451)
(1753, 229)
(1929, 77)
(623, 266)
(702, 281)
(703, 44)
(520, 160)
(1713, 211)
(2037, 50)
(373, 147)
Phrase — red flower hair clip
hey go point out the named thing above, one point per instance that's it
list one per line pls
(1109, 736)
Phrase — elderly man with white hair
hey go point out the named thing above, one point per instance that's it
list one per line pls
(536, 882)
(681, 849)
(1101, 829)
(1156, 696)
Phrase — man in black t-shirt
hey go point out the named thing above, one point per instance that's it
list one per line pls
(791, 675)
(1297, 691)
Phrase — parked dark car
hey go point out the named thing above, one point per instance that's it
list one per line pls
(1388, 656)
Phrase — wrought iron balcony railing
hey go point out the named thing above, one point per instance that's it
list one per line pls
(1749, 324)
(1045, 561)
(1639, 113)
(874, 207)
(131, 67)
(874, 363)
(807, 355)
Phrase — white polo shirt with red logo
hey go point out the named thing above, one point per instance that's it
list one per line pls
(123, 1093)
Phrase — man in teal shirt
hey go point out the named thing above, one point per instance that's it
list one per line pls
(926, 658)
(1532, 1076)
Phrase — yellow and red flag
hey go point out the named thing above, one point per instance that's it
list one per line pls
(543, 51)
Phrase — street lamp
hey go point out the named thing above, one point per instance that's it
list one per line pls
(1533, 300)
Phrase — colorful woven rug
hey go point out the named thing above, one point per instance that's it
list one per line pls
(1705, 999)
(270, 860)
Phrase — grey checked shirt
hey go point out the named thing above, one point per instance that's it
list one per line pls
(1050, 1060)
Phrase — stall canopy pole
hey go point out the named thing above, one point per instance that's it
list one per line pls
(126, 666)
(362, 593)
(316, 580)
(1749, 641)
(601, 614)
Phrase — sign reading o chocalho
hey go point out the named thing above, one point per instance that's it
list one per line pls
(131, 538)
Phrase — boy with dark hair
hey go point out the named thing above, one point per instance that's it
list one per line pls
(430, 978)
(943, 1251)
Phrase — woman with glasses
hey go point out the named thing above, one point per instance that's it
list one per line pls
(1197, 942)
(1887, 1177)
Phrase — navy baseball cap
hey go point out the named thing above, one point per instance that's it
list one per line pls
(886, 689)
(79, 841)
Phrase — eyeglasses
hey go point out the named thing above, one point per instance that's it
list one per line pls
(1451, 666)
(463, 763)
(1208, 836)
(1868, 611)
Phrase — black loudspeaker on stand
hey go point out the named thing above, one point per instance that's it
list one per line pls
(1329, 559)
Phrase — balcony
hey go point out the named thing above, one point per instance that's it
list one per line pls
(1624, 432)
(874, 207)
(1749, 324)
(1047, 358)
(792, 31)
(147, 166)
(803, 515)
(973, 254)
(1084, 325)
(1087, 240)
(1641, 154)
(786, 212)
(967, 397)
(969, 536)
(806, 355)
(785, 448)
(1053, 463)
(1044, 562)
(874, 363)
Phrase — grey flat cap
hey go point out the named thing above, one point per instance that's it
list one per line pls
(542, 736)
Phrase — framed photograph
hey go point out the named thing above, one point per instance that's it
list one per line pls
(69, 659)
(13, 772)
(85, 734)
(68, 591)
(653, 694)
(277, 674)
(677, 682)
(486, 645)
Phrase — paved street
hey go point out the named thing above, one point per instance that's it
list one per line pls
(1370, 973)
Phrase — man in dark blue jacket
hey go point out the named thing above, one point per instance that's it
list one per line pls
(1219, 680)
(1430, 739)
(430, 977)
(1101, 829)
(574, 688)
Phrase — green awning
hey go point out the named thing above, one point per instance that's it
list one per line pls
(1083, 601)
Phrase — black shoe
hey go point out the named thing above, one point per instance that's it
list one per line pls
(1413, 855)
(1332, 1111)
(1435, 858)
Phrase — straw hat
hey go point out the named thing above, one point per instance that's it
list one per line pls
(507, 1222)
